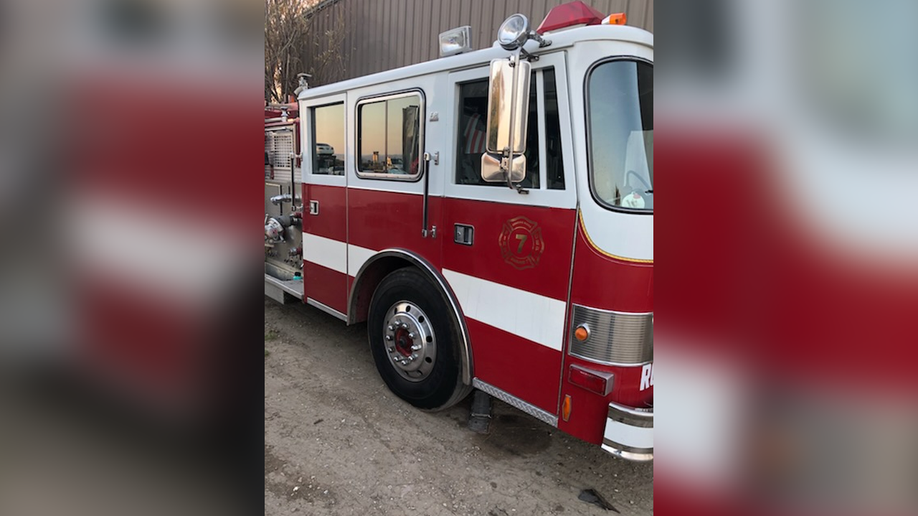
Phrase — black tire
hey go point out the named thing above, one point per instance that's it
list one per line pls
(409, 311)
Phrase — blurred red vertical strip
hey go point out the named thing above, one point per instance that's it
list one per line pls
(705, 229)
(825, 314)
(140, 340)
(735, 263)
(191, 154)
(172, 145)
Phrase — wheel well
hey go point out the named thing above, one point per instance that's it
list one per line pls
(368, 281)
(388, 261)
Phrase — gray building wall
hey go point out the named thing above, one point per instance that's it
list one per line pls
(351, 38)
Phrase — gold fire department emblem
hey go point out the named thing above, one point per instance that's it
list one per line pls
(521, 243)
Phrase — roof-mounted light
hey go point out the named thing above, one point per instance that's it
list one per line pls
(456, 41)
(569, 15)
(615, 19)
(514, 32)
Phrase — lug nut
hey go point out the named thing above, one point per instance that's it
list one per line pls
(391, 328)
(412, 335)
(388, 337)
(391, 349)
(416, 347)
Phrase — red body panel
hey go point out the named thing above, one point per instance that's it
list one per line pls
(516, 365)
(549, 277)
(331, 222)
(381, 220)
(589, 409)
(523, 368)
(610, 284)
(325, 286)
(600, 281)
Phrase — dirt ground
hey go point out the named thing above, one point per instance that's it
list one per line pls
(338, 442)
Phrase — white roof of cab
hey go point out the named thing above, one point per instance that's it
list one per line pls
(560, 39)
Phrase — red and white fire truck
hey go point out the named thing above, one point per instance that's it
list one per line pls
(489, 214)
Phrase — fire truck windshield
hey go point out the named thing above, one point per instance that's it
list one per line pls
(620, 129)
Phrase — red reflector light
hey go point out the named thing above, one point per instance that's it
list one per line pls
(568, 15)
(596, 381)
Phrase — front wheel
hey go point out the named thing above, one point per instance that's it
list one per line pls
(415, 341)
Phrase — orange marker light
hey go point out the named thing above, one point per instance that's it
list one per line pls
(566, 407)
(615, 19)
(582, 333)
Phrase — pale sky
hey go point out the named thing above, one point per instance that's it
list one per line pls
(330, 126)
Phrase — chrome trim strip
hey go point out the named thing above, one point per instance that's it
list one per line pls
(466, 348)
(623, 447)
(631, 416)
(616, 364)
(287, 286)
(616, 312)
(513, 401)
(616, 338)
(325, 308)
(627, 452)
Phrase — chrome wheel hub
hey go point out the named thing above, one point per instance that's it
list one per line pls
(410, 342)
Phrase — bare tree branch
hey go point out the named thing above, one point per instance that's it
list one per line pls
(285, 35)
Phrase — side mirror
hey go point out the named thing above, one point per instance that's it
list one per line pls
(508, 121)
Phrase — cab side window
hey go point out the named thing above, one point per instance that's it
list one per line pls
(328, 136)
(389, 137)
(554, 159)
(471, 143)
(473, 116)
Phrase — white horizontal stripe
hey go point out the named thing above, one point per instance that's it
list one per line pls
(356, 257)
(531, 316)
(634, 436)
(132, 244)
(326, 252)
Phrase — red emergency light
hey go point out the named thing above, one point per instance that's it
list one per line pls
(575, 13)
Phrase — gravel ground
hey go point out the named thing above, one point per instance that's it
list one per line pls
(338, 442)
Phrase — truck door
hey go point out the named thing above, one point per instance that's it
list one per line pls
(324, 204)
(389, 182)
(506, 254)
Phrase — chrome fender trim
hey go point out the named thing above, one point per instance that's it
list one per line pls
(437, 278)
(629, 433)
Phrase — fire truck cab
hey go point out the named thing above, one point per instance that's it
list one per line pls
(489, 214)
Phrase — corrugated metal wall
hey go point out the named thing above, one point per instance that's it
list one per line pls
(351, 38)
